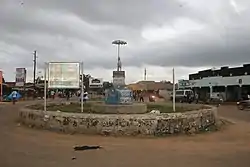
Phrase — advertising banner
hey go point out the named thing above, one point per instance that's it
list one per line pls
(118, 81)
(119, 74)
(118, 78)
(20, 77)
(125, 96)
(1, 77)
(183, 84)
(1, 85)
(64, 75)
(118, 96)
(95, 82)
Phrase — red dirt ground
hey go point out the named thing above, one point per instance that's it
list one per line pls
(21, 146)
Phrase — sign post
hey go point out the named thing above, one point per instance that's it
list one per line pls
(45, 87)
(173, 90)
(82, 85)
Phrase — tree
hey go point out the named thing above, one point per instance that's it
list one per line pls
(107, 85)
(85, 81)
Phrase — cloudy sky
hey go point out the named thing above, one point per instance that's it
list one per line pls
(189, 35)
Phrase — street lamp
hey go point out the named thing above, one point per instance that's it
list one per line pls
(119, 43)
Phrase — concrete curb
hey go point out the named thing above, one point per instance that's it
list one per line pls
(228, 120)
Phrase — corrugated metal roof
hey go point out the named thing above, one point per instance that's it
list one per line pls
(151, 85)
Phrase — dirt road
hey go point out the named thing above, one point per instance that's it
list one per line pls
(22, 146)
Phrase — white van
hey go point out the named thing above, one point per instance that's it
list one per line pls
(182, 94)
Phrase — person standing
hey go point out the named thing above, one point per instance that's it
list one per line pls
(141, 97)
(67, 95)
(85, 97)
(52, 93)
(196, 98)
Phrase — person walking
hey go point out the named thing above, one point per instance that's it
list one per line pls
(14, 97)
(67, 95)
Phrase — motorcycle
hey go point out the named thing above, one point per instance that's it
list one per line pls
(243, 104)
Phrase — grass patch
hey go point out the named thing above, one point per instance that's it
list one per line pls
(76, 107)
(73, 107)
(168, 107)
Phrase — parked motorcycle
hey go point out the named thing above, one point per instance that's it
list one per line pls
(243, 104)
(151, 98)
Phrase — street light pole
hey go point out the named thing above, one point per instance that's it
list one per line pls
(118, 57)
(119, 43)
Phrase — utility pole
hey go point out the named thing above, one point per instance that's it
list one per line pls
(34, 72)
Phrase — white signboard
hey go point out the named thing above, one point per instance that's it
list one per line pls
(126, 96)
(95, 82)
(20, 77)
(118, 81)
(64, 75)
(182, 84)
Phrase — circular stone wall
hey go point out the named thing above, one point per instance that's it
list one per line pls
(121, 124)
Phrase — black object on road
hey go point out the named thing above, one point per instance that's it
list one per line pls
(84, 148)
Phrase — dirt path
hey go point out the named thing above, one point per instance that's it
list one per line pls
(22, 146)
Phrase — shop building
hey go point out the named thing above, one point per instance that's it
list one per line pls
(233, 83)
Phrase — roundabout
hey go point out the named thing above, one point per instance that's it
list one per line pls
(106, 121)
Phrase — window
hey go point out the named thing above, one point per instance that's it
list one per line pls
(179, 92)
(240, 81)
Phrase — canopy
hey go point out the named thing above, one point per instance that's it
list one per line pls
(9, 97)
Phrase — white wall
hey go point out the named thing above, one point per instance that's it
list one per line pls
(220, 81)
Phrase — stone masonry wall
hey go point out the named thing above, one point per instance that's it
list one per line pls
(130, 125)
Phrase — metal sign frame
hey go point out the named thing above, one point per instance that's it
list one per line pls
(63, 87)
(46, 70)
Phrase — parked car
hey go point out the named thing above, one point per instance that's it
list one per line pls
(185, 95)
(243, 104)
(215, 98)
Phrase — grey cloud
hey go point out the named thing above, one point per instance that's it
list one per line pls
(211, 47)
(84, 29)
(127, 13)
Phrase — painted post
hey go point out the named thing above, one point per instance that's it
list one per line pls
(173, 90)
(45, 87)
(82, 84)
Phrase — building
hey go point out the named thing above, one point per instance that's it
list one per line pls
(232, 82)
(151, 86)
